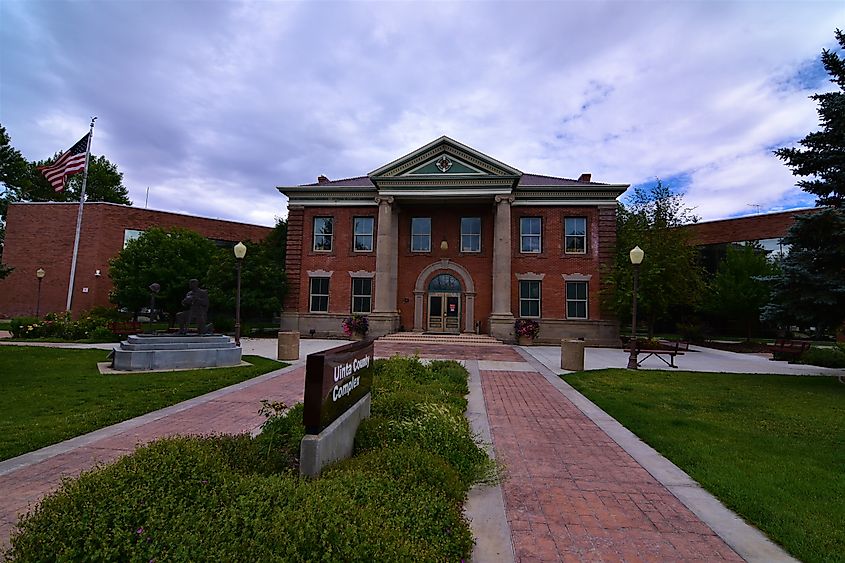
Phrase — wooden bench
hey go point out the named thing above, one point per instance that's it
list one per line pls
(669, 348)
(125, 328)
(789, 349)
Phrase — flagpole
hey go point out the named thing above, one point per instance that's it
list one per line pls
(79, 217)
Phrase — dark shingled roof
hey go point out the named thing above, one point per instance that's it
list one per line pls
(525, 181)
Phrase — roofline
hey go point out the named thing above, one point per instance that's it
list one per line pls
(711, 221)
(447, 139)
(76, 203)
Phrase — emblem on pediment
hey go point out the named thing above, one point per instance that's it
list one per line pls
(444, 163)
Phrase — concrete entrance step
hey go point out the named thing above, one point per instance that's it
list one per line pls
(466, 339)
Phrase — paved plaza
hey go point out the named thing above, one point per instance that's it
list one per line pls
(575, 484)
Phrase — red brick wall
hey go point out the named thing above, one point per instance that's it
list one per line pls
(446, 225)
(554, 262)
(341, 260)
(756, 227)
(41, 235)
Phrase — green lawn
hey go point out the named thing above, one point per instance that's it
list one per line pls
(772, 448)
(52, 394)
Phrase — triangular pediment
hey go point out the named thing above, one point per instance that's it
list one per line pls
(447, 159)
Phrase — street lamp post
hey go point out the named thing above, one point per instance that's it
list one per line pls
(637, 255)
(240, 252)
(154, 289)
(39, 274)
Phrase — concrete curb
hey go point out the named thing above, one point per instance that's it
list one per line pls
(749, 542)
(485, 505)
(47, 452)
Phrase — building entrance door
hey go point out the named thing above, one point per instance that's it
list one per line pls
(444, 304)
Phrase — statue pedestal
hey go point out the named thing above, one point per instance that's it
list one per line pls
(142, 352)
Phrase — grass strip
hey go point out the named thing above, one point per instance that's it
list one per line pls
(772, 448)
(53, 394)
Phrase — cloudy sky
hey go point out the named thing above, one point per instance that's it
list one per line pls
(212, 104)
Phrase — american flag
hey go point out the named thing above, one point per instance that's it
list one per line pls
(69, 162)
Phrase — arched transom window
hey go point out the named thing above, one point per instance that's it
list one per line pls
(444, 283)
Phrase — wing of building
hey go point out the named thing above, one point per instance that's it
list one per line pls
(447, 239)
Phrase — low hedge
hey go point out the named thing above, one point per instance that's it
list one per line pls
(237, 498)
(829, 357)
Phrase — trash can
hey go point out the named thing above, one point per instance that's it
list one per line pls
(572, 354)
(288, 345)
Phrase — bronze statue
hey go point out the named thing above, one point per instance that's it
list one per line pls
(196, 303)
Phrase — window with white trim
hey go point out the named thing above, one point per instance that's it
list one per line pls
(323, 233)
(529, 299)
(363, 232)
(319, 292)
(530, 234)
(470, 234)
(576, 300)
(421, 234)
(362, 295)
(575, 229)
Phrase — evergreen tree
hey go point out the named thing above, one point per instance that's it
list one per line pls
(811, 289)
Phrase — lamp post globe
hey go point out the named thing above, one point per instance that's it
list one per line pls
(240, 252)
(636, 256)
(39, 275)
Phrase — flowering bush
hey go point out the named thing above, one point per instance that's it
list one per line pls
(60, 326)
(527, 327)
(355, 323)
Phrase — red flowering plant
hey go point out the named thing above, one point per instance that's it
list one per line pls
(355, 324)
(527, 327)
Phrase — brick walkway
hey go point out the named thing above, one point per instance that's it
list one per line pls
(232, 413)
(572, 494)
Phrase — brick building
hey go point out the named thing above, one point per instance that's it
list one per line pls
(447, 239)
(40, 235)
(713, 237)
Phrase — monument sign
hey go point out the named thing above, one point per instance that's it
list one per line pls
(335, 380)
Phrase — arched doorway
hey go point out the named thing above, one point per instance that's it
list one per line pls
(467, 293)
(444, 304)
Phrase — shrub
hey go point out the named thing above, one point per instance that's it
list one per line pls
(833, 357)
(526, 327)
(22, 327)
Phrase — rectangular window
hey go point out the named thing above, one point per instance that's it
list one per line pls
(529, 299)
(576, 300)
(130, 234)
(319, 295)
(576, 235)
(363, 234)
(421, 234)
(530, 234)
(470, 234)
(323, 230)
(362, 295)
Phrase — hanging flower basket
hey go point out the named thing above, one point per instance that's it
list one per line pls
(526, 331)
(356, 327)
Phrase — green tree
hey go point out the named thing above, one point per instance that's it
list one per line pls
(739, 290)
(167, 257)
(811, 289)
(263, 282)
(14, 171)
(670, 277)
(105, 183)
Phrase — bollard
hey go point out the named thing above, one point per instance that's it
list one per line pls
(288, 345)
(572, 354)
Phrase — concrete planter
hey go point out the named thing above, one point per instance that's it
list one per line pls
(288, 345)
(525, 341)
(357, 336)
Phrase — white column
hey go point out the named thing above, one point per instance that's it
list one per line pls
(385, 299)
(502, 256)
